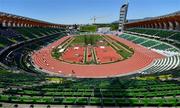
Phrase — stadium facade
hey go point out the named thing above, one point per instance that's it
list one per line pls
(11, 20)
(169, 22)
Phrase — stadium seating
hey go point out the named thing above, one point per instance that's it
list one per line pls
(17, 57)
(36, 32)
(139, 40)
(162, 47)
(8, 78)
(149, 43)
(175, 35)
(163, 65)
(5, 41)
(9, 36)
(106, 92)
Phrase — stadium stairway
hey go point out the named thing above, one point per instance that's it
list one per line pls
(165, 64)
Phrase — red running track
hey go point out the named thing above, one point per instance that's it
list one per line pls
(142, 58)
(107, 54)
(74, 55)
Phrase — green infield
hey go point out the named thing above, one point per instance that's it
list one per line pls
(90, 42)
(86, 40)
(88, 28)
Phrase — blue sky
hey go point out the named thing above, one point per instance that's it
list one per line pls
(80, 11)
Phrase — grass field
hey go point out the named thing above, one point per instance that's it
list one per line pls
(88, 28)
(86, 39)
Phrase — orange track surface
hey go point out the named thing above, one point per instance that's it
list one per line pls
(142, 57)
(74, 55)
(106, 54)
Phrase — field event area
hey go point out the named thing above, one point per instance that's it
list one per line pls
(91, 49)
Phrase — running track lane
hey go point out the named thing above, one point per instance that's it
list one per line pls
(142, 57)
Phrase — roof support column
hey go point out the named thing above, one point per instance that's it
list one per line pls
(4, 24)
(9, 24)
(177, 27)
(171, 25)
(18, 24)
(13, 24)
(156, 25)
(164, 25)
(21, 25)
(160, 25)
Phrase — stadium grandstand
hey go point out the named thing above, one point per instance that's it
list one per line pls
(49, 65)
